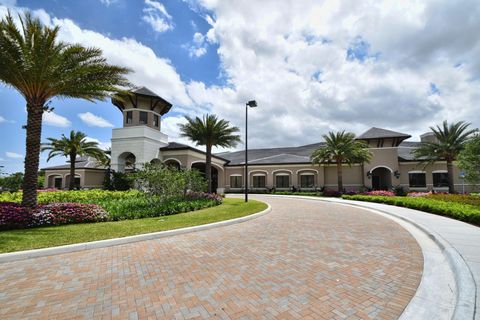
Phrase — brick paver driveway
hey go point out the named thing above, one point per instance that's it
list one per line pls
(304, 260)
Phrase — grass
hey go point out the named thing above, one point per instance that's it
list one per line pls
(26, 239)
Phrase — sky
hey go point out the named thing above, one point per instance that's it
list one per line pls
(312, 66)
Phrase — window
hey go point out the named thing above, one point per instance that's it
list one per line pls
(282, 181)
(143, 117)
(307, 181)
(417, 180)
(440, 179)
(235, 181)
(155, 120)
(259, 181)
(129, 117)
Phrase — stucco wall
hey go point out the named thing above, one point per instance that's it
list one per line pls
(88, 178)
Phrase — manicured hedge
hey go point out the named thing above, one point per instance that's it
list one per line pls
(460, 211)
(299, 193)
(473, 200)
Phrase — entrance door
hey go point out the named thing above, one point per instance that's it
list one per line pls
(381, 179)
(376, 182)
(57, 183)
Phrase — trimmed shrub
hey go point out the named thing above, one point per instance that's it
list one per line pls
(147, 208)
(299, 193)
(74, 196)
(460, 211)
(460, 198)
(331, 193)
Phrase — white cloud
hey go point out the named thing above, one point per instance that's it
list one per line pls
(94, 121)
(149, 70)
(291, 56)
(8, 3)
(304, 84)
(13, 155)
(108, 2)
(157, 16)
(104, 145)
(55, 120)
(3, 120)
(198, 46)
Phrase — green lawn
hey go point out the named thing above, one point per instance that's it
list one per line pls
(25, 239)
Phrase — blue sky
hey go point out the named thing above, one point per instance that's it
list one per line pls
(119, 19)
(312, 66)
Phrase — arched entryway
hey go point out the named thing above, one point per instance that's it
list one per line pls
(200, 166)
(172, 163)
(126, 162)
(55, 181)
(381, 178)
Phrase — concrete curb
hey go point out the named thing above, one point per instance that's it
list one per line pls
(466, 287)
(36, 253)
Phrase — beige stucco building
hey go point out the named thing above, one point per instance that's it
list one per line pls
(141, 141)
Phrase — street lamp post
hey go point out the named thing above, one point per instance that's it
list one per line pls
(251, 104)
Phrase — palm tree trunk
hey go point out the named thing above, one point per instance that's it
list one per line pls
(339, 176)
(208, 168)
(451, 185)
(32, 155)
(72, 171)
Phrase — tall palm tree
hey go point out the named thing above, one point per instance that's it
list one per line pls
(341, 147)
(449, 141)
(74, 145)
(40, 67)
(210, 131)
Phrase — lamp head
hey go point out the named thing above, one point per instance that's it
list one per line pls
(252, 104)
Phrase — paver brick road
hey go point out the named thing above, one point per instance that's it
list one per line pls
(304, 260)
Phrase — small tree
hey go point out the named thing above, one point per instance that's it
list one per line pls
(167, 183)
(449, 142)
(340, 148)
(469, 160)
(71, 147)
(210, 131)
(11, 182)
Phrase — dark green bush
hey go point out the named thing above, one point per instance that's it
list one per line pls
(152, 207)
(460, 211)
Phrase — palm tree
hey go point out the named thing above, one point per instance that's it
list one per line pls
(341, 147)
(210, 131)
(40, 67)
(450, 139)
(73, 146)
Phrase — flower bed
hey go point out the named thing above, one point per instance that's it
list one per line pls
(63, 207)
(460, 211)
(381, 193)
(14, 215)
